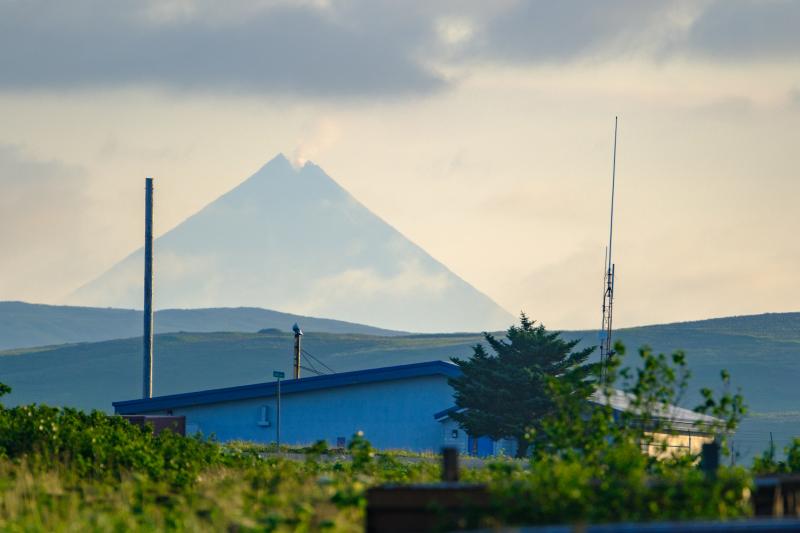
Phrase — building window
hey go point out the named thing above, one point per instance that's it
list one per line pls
(454, 434)
(264, 420)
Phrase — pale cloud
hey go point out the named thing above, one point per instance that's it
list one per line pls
(455, 31)
(794, 97)
(323, 136)
(45, 225)
(410, 279)
(563, 291)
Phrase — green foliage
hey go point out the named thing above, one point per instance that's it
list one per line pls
(728, 408)
(97, 445)
(588, 460)
(506, 393)
(768, 463)
(555, 489)
(361, 452)
(589, 430)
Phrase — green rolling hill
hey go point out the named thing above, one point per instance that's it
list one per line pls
(762, 353)
(27, 325)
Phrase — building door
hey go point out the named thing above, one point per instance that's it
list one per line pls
(480, 446)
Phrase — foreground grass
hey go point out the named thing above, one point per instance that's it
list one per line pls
(270, 498)
(328, 494)
(67, 470)
(272, 494)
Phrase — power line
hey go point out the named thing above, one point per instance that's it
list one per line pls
(317, 372)
(313, 366)
(326, 367)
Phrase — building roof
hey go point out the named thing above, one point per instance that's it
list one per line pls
(441, 415)
(289, 386)
(676, 418)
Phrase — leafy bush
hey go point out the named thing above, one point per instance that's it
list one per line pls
(589, 431)
(557, 490)
(588, 463)
(768, 463)
(95, 444)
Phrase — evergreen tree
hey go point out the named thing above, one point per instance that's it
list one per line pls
(507, 393)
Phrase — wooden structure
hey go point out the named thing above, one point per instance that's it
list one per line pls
(777, 495)
(176, 424)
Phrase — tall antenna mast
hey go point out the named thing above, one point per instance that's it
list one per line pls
(606, 350)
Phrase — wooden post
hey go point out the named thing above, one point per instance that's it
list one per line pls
(297, 334)
(450, 464)
(709, 459)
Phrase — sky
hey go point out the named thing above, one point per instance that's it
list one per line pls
(483, 131)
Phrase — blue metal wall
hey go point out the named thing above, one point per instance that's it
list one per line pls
(394, 414)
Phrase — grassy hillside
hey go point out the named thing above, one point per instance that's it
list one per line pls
(92, 375)
(761, 352)
(24, 325)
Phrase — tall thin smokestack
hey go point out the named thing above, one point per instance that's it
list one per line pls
(147, 376)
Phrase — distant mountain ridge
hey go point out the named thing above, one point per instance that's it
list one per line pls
(27, 325)
(295, 240)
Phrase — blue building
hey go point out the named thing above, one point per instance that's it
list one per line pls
(399, 407)
(404, 407)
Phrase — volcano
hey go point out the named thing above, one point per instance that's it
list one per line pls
(294, 240)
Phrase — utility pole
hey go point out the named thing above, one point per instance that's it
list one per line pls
(147, 376)
(297, 334)
(278, 375)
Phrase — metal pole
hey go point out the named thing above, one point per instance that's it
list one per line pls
(147, 376)
(278, 417)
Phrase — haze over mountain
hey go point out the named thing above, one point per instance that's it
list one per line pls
(27, 325)
(293, 239)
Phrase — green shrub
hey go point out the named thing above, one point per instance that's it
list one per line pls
(98, 445)
(768, 463)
